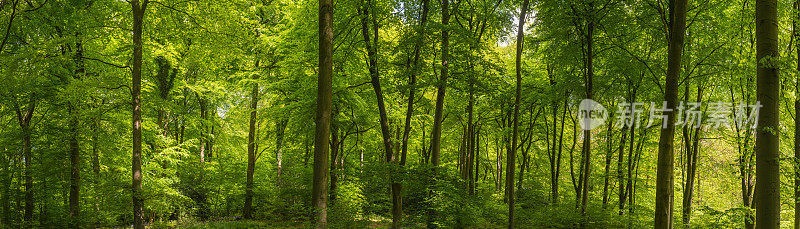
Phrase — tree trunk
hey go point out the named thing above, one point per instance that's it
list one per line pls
(512, 153)
(279, 135)
(75, 175)
(74, 147)
(477, 155)
(5, 201)
(629, 181)
(413, 80)
(587, 134)
(470, 150)
(609, 154)
(252, 148)
(692, 150)
(666, 160)
(767, 195)
(24, 119)
(621, 171)
(384, 120)
(796, 35)
(322, 120)
(136, 85)
(441, 85)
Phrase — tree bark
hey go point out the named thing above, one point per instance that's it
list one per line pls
(384, 120)
(136, 85)
(587, 134)
(281, 131)
(412, 81)
(767, 195)
(512, 153)
(691, 139)
(252, 148)
(74, 147)
(24, 120)
(796, 35)
(609, 155)
(441, 85)
(323, 114)
(666, 160)
(621, 171)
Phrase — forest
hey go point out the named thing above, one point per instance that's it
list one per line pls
(400, 114)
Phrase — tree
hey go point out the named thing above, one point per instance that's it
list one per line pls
(384, 120)
(136, 85)
(252, 148)
(323, 115)
(796, 35)
(666, 160)
(24, 120)
(512, 153)
(441, 85)
(767, 194)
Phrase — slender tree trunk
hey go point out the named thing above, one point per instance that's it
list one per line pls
(587, 134)
(384, 120)
(666, 160)
(621, 171)
(279, 135)
(204, 150)
(692, 152)
(441, 85)
(24, 119)
(767, 195)
(5, 201)
(323, 114)
(629, 181)
(512, 153)
(796, 35)
(607, 174)
(470, 138)
(252, 148)
(557, 173)
(74, 147)
(477, 155)
(75, 175)
(413, 80)
(136, 85)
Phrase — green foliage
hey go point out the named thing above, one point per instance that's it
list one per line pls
(69, 63)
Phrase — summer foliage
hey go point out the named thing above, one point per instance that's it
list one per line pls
(399, 113)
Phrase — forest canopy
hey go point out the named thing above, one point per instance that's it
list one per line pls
(400, 114)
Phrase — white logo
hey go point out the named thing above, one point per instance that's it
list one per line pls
(591, 114)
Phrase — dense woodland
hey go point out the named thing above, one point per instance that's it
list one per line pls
(399, 113)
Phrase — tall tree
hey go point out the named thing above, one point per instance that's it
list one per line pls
(74, 146)
(796, 35)
(24, 118)
(384, 120)
(136, 88)
(397, 209)
(587, 133)
(666, 160)
(252, 148)
(441, 85)
(767, 194)
(319, 192)
(512, 153)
